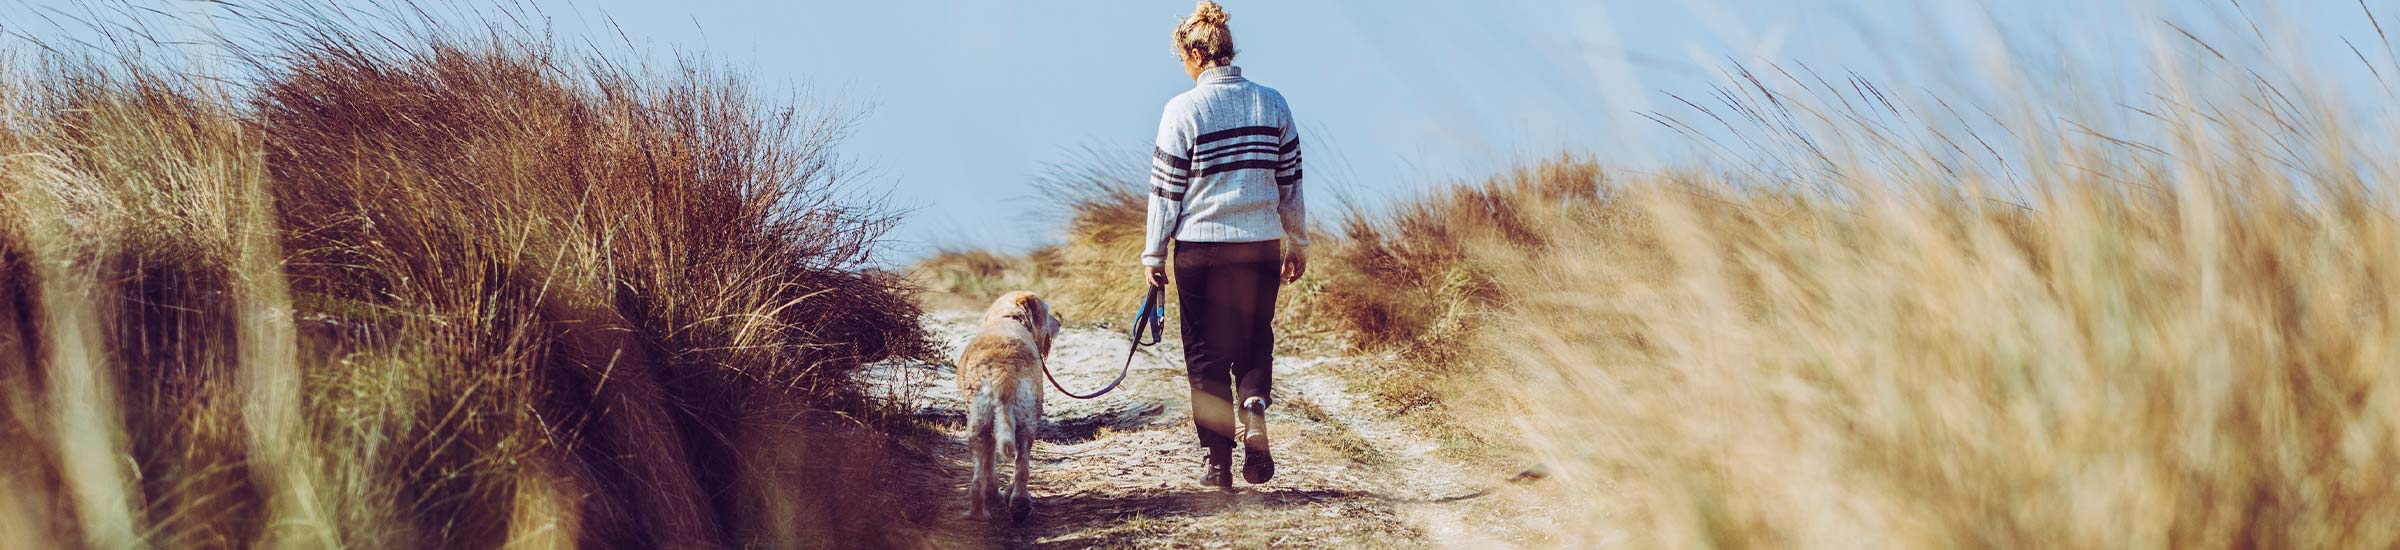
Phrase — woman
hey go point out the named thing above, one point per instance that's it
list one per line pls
(1225, 189)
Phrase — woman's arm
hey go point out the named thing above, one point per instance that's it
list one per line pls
(1170, 176)
(1291, 207)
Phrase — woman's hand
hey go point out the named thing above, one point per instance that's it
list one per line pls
(1157, 274)
(1295, 263)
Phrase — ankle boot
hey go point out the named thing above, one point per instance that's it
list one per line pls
(1220, 468)
(1258, 465)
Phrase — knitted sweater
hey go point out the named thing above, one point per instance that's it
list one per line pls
(1226, 168)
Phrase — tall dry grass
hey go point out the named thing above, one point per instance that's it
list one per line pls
(2190, 365)
(967, 279)
(1095, 273)
(2170, 337)
(1407, 287)
(432, 287)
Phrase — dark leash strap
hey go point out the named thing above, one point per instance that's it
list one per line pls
(1152, 319)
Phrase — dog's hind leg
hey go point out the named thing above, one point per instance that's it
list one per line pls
(1025, 418)
(980, 431)
(1020, 501)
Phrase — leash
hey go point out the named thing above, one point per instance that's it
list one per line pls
(1152, 318)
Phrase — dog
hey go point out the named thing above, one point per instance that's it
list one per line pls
(1000, 374)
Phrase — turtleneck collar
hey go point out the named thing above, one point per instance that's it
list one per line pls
(1226, 74)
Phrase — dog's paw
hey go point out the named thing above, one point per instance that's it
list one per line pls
(1020, 508)
(977, 514)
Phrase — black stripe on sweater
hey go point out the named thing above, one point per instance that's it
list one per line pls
(1163, 193)
(1163, 177)
(1179, 163)
(1237, 132)
(1262, 148)
(1287, 181)
(1259, 164)
(1210, 151)
(1289, 147)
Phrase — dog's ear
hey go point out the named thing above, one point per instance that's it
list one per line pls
(1009, 306)
(1031, 311)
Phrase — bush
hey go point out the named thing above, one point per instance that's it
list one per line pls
(428, 288)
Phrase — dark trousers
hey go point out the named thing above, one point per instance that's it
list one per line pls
(1227, 295)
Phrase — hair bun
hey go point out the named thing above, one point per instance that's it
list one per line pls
(1209, 13)
(1203, 36)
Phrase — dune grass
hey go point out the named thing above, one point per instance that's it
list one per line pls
(969, 279)
(436, 287)
(1095, 274)
(2169, 335)
(1408, 287)
(2189, 364)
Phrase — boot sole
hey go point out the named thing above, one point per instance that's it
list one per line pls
(1258, 465)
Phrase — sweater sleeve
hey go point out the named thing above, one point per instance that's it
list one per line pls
(1289, 205)
(1170, 176)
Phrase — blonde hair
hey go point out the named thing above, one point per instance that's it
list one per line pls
(1204, 36)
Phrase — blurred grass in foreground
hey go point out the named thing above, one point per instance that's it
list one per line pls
(2174, 335)
(406, 285)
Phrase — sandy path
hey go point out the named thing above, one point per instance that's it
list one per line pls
(1120, 470)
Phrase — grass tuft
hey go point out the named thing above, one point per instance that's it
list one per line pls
(411, 283)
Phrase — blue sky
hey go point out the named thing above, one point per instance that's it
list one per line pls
(964, 104)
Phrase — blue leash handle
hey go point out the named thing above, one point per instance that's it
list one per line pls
(1153, 316)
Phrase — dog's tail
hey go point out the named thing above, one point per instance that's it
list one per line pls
(984, 419)
(1003, 422)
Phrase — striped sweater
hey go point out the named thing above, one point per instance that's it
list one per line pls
(1226, 168)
